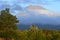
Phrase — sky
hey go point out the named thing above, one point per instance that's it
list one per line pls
(18, 5)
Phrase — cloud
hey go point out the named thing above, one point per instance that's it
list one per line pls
(25, 1)
(3, 6)
(22, 14)
(38, 10)
(43, 2)
(19, 4)
(34, 10)
(17, 7)
(12, 3)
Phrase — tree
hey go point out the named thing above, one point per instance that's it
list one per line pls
(34, 28)
(7, 20)
(33, 32)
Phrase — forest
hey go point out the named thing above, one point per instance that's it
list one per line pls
(9, 30)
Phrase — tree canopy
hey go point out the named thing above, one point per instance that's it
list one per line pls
(7, 20)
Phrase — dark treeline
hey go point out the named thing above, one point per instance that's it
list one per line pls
(41, 26)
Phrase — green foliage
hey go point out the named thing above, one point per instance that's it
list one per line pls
(7, 21)
(32, 34)
(8, 25)
(36, 34)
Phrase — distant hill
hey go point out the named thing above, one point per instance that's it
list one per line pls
(40, 26)
(38, 15)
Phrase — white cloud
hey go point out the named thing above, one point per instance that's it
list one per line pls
(37, 10)
(40, 10)
(22, 14)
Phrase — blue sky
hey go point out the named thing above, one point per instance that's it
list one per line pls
(20, 4)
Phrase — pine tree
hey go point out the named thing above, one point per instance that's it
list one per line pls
(7, 20)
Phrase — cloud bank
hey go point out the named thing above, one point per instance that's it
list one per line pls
(40, 10)
(22, 14)
(19, 5)
(37, 11)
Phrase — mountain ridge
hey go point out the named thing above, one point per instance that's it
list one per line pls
(33, 17)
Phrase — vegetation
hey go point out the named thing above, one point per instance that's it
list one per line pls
(36, 34)
(9, 31)
(7, 21)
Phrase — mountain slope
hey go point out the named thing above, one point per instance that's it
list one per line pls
(38, 14)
